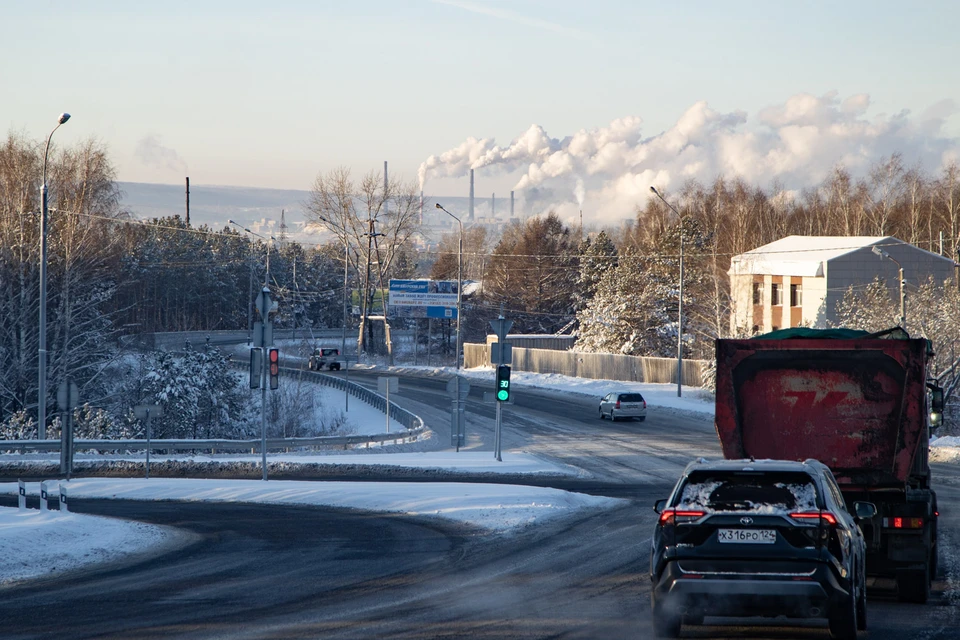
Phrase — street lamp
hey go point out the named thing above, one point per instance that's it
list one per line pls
(42, 347)
(266, 275)
(903, 298)
(459, 308)
(679, 298)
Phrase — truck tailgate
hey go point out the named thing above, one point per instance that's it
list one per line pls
(855, 405)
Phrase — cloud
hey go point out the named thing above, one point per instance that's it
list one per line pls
(153, 154)
(796, 144)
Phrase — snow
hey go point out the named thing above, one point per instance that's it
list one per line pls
(945, 449)
(36, 544)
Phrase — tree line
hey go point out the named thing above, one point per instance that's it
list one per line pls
(110, 273)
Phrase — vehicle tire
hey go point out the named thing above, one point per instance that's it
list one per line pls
(641, 418)
(843, 621)
(601, 414)
(335, 366)
(934, 561)
(613, 416)
(665, 625)
(862, 609)
(914, 586)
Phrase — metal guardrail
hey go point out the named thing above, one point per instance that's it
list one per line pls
(209, 444)
(409, 420)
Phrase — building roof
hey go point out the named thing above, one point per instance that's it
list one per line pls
(801, 255)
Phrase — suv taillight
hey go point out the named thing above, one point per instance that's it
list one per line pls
(825, 516)
(675, 516)
(617, 406)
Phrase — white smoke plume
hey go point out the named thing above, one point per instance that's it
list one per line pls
(579, 192)
(796, 143)
(152, 153)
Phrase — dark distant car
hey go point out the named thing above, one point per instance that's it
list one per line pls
(623, 404)
(324, 359)
(758, 538)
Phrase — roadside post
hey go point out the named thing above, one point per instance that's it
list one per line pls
(63, 498)
(458, 388)
(503, 357)
(21, 495)
(145, 412)
(68, 396)
(263, 339)
(43, 496)
(386, 384)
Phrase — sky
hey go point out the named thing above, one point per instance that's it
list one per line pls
(272, 94)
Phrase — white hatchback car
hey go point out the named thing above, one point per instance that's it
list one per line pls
(623, 404)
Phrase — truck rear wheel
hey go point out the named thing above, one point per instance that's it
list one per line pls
(914, 586)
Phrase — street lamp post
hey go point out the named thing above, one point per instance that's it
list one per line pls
(679, 299)
(42, 343)
(903, 298)
(459, 308)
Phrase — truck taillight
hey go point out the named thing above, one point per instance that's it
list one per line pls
(674, 516)
(825, 516)
(898, 522)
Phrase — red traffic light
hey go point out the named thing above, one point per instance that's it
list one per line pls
(273, 359)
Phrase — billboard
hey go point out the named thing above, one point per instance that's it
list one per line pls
(423, 299)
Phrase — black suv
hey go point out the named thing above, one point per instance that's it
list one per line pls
(758, 538)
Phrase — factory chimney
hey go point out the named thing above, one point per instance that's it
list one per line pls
(188, 201)
(493, 205)
(511, 204)
(470, 215)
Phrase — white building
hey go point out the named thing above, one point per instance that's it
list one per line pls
(798, 280)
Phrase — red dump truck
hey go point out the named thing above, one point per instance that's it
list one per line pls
(858, 403)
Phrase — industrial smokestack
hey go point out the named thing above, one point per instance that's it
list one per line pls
(493, 205)
(421, 206)
(511, 204)
(470, 215)
(188, 201)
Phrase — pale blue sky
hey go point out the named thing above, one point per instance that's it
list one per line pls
(270, 93)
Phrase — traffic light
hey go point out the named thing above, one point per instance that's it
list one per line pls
(274, 360)
(503, 383)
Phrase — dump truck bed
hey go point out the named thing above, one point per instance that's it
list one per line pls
(857, 405)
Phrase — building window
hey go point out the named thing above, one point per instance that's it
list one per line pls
(796, 295)
(776, 294)
(757, 293)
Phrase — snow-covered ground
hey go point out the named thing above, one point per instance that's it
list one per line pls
(946, 449)
(35, 544)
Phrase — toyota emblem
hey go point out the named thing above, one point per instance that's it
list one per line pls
(746, 520)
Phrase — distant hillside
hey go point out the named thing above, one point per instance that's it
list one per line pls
(259, 209)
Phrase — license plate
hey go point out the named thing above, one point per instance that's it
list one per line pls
(747, 536)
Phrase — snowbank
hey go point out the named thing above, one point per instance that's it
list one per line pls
(35, 544)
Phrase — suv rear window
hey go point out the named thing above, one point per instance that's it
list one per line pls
(329, 352)
(631, 397)
(761, 492)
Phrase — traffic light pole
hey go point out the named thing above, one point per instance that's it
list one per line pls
(264, 300)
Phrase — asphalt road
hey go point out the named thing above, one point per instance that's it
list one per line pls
(261, 571)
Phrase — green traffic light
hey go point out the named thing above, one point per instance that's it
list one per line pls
(503, 395)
